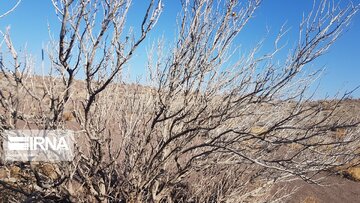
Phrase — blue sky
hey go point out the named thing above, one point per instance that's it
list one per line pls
(29, 26)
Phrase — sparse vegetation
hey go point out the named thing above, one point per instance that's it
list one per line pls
(203, 128)
(311, 199)
(354, 172)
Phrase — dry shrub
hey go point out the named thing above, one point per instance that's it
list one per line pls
(340, 132)
(350, 171)
(295, 146)
(311, 199)
(48, 170)
(4, 173)
(15, 171)
(185, 136)
(354, 173)
(68, 116)
(257, 130)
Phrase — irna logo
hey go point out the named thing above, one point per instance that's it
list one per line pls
(38, 145)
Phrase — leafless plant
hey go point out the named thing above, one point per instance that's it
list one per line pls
(10, 10)
(209, 126)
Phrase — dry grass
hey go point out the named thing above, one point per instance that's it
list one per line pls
(295, 146)
(354, 172)
(15, 171)
(311, 199)
(340, 132)
(349, 171)
(258, 130)
(68, 116)
(4, 173)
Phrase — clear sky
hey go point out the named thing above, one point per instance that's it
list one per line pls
(29, 27)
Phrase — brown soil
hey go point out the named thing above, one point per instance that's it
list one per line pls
(340, 190)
